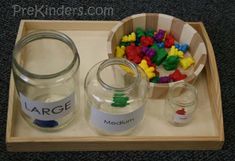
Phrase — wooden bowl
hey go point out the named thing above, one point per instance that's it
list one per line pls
(182, 32)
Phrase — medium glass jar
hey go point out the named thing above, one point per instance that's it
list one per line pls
(180, 104)
(116, 92)
(45, 66)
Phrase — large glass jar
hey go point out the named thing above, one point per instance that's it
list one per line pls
(45, 66)
(116, 92)
(180, 104)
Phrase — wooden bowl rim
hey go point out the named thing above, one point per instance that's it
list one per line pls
(190, 78)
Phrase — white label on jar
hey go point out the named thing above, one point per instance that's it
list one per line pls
(182, 118)
(115, 123)
(47, 110)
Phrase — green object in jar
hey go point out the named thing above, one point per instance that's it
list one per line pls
(120, 100)
(171, 63)
(115, 105)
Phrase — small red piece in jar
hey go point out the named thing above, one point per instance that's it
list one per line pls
(181, 111)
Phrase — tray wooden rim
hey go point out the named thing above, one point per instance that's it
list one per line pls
(214, 142)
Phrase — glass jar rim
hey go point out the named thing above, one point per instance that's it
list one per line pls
(118, 61)
(181, 84)
(45, 34)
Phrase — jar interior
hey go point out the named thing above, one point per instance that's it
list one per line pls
(44, 56)
(117, 75)
(183, 94)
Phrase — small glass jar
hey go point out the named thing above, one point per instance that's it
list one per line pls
(180, 104)
(116, 92)
(45, 67)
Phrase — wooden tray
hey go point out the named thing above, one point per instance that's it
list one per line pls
(205, 132)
